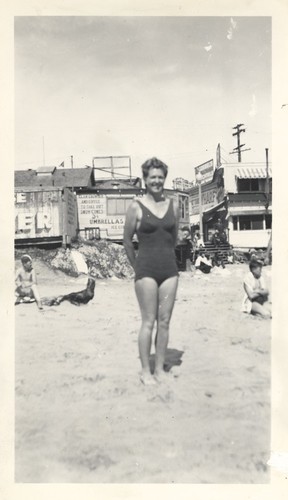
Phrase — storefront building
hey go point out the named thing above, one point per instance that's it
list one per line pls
(240, 195)
(249, 201)
(213, 204)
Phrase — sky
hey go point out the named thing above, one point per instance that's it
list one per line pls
(171, 87)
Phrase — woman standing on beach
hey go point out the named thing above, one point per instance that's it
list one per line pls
(154, 219)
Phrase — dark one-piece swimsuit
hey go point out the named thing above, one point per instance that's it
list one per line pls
(156, 256)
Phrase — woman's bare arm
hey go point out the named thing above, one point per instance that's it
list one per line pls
(177, 216)
(129, 231)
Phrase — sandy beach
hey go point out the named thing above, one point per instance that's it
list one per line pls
(82, 414)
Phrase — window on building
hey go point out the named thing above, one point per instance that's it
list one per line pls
(250, 222)
(254, 184)
(257, 222)
(268, 220)
(234, 223)
(244, 222)
(243, 185)
(183, 206)
(187, 206)
(248, 185)
(118, 206)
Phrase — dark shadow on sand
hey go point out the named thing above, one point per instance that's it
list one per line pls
(172, 358)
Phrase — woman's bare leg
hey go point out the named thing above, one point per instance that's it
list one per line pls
(147, 294)
(167, 294)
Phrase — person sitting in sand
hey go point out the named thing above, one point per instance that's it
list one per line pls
(256, 294)
(203, 263)
(26, 284)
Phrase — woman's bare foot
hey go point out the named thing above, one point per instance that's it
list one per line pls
(147, 379)
(161, 376)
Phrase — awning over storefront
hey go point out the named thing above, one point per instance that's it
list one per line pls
(209, 213)
(238, 210)
(253, 172)
(217, 209)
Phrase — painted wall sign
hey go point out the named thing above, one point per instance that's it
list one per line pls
(206, 170)
(94, 210)
(209, 199)
(20, 197)
(107, 212)
(42, 214)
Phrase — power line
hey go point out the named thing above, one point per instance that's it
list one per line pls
(223, 157)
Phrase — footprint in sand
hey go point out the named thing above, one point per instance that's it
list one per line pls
(209, 394)
(119, 391)
(164, 398)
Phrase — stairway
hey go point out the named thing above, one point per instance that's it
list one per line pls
(220, 250)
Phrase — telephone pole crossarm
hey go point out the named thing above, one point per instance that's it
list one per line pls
(239, 147)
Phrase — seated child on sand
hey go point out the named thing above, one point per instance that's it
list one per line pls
(26, 285)
(256, 294)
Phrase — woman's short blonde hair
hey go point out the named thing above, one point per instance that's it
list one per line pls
(153, 163)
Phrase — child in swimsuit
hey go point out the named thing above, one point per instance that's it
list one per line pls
(256, 296)
(26, 285)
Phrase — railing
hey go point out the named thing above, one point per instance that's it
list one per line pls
(90, 233)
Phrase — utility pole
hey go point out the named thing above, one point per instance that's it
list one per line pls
(71, 161)
(239, 146)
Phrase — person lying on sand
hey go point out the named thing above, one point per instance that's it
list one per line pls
(26, 284)
(256, 294)
(76, 298)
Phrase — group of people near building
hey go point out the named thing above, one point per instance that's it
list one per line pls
(194, 253)
(155, 220)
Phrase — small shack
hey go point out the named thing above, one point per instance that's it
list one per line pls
(45, 215)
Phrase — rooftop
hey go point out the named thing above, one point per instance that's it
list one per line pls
(52, 176)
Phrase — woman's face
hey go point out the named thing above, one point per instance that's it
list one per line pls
(155, 181)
